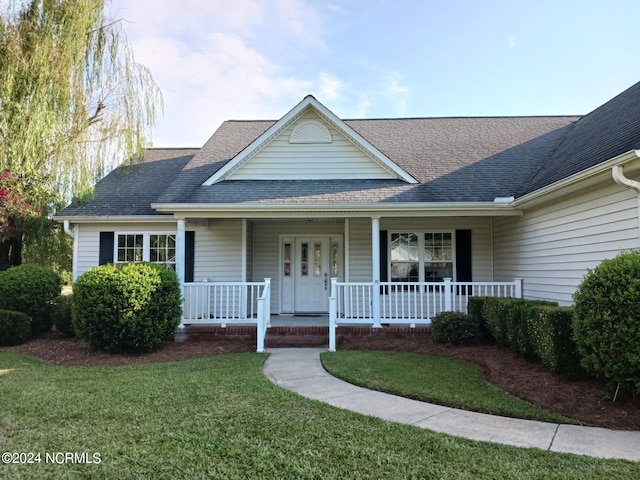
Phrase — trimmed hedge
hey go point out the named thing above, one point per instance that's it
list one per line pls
(62, 315)
(455, 327)
(32, 290)
(535, 329)
(126, 307)
(607, 321)
(15, 328)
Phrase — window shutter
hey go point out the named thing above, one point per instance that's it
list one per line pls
(189, 255)
(384, 256)
(106, 248)
(463, 256)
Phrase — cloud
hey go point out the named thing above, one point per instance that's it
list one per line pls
(208, 60)
(512, 41)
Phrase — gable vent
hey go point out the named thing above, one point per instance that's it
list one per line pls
(310, 132)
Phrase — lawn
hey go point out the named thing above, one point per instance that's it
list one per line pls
(219, 417)
(444, 381)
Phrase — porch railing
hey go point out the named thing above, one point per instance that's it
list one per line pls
(406, 303)
(223, 303)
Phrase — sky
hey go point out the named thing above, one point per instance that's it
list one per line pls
(218, 60)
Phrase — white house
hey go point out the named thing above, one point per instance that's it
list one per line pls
(390, 208)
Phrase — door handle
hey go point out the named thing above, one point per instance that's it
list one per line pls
(326, 281)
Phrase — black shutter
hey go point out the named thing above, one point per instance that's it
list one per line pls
(463, 256)
(384, 268)
(106, 248)
(189, 255)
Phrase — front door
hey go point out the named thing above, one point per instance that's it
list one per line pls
(311, 274)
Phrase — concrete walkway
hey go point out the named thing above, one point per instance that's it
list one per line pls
(300, 370)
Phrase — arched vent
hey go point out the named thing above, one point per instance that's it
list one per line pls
(310, 132)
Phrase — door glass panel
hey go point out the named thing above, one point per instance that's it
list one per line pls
(334, 260)
(317, 264)
(304, 259)
(287, 260)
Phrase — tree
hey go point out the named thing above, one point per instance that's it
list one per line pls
(72, 102)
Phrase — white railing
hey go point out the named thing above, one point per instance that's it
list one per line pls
(222, 303)
(264, 314)
(406, 303)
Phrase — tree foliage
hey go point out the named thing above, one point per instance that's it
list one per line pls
(73, 101)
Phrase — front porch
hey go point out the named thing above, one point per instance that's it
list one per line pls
(365, 304)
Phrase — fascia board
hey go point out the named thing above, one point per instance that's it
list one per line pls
(114, 218)
(343, 210)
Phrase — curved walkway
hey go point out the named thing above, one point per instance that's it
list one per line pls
(300, 370)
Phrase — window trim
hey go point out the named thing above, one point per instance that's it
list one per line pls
(146, 244)
(421, 247)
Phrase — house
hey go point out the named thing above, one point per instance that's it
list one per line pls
(391, 209)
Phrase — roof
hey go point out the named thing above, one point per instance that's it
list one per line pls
(453, 159)
(131, 188)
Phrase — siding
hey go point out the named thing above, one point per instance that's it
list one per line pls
(553, 246)
(281, 160)
(88, 239)
(218, 253)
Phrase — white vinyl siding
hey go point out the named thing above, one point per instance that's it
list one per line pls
(218, 251)
(281, 160)
(552, 247)
(88, 238)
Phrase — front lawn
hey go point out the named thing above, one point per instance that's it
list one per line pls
(444, 381)
(220, 417)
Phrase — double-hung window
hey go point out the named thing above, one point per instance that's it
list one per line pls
(147, 247)
(421, 256)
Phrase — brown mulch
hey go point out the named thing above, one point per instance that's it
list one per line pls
(582, 400)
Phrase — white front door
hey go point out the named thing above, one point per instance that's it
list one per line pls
(311, 274)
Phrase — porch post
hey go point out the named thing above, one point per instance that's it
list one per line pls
(180, 249)
(375, 274)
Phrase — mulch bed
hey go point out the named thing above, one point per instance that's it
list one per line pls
(582, 400)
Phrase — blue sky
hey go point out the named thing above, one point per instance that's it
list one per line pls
(255, 59)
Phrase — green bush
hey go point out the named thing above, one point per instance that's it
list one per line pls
(552, 339)
(32, 290)
(126, 307)
(607, 320)
(15, 327)
(455, 327)
(62, 315)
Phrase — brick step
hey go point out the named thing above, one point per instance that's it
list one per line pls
(297, 337)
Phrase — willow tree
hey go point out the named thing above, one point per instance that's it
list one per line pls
(73, 103)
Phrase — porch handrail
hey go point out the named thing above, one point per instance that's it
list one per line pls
(264, 314)
(406, 302)
(221, 302)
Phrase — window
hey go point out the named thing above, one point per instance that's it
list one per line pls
(421, 256)
(162, 249)
(155, 248)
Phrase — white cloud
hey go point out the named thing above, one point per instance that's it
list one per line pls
(329, 87)
(202, 57)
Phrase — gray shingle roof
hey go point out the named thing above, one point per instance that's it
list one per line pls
(130, 189)
(453, 159)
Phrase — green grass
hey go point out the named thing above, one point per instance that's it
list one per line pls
(220, 417)
(444, 381)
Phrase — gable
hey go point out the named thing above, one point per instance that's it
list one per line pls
(311, 149)
(310, 143)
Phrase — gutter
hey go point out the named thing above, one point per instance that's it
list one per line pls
(68, 231)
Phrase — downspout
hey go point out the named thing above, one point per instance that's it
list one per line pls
(74, 261)
(617, 172)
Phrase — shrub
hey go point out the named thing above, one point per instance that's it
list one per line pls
(62, 315)
(30, 289)
(552, 339)
(15, 327)
(126, 307)
(455, 327)
(607, 320)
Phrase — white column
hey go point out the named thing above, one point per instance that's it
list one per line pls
(180, 249)
(375, 266)
(347, 250)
